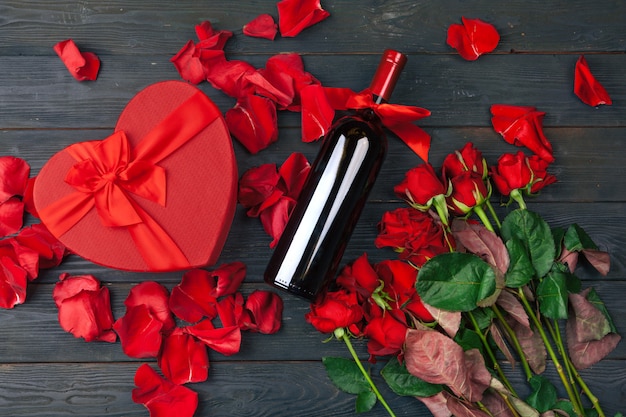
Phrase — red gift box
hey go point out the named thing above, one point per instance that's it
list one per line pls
(159, 194)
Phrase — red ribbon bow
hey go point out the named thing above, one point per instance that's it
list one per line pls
(109, 176)
(396, 117)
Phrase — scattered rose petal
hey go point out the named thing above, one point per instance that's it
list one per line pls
(210, 38)
(194, 297)
(253, 122)
(161, 397)
(522, 126)
(473, 38)
(286, 72)
(587, 87)
(263, 26)
(37, 237)
(225, 340)
(140, 332)
(13, 280)
(11, 216)
(274, 219)
(296, 15)
(229, 278)
(84, 308)
(188, 64)
(317, 113)
(265, 310)
(183, 359)
(14, 174)
(231, 311)
(147, 319)
(156, 297)
(256, 186)
(82, 65)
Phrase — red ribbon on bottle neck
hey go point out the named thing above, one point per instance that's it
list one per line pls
(396, 117)
(109, 176)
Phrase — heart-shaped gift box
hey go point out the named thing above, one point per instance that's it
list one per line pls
(159, 194)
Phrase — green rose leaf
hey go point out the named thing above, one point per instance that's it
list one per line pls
(552, 295)
(543, 396)
(521, 270)
(455, 281)
(535, 235)
(576, 239)
(346, 375)
(365, 401)
(403, 383)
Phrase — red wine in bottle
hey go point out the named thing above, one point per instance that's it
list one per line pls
(308, 253)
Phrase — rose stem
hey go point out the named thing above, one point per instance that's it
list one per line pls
(514, 341)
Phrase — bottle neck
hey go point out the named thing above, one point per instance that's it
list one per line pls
(387, 74)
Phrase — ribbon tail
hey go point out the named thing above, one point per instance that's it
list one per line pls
(64, 213)
(414, 137)
(155, 245)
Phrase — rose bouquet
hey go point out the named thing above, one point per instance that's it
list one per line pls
(470, 291)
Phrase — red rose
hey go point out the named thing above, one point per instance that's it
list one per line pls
(541, 178)
(468, 191)
(400, 278)
(359, 277)
(519, 172)
(420, 185)
(467, 159)
(412, 233)
(386, 334)
(512, 172)
(337, 309)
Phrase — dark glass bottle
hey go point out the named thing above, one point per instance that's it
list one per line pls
(310, 249)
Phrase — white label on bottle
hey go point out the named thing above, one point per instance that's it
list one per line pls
(310, 217)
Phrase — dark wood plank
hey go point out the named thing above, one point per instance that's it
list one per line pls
(297, 340)
(117, 27)
(458, 93)
(233, 389)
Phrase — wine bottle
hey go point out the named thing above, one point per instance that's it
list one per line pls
(308, 253)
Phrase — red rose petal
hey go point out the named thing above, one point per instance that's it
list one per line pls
(230, 310)
(183, 359)
(229, 278)
(211, 38)
(256, 185)
(69, 286)
(84, 308)
(286, 72)
(50, 250)
(193, 298)
(294, 172)
(274, 218)
(161, 397)
(473, 38)
(14, 174)
(11, 216)
(12, 283)
(25, 257)
(156, 297)
(317, 113)
(266, 309)
(82, 65)
(188, 64)
(263, 26)
(225, 340)
(296, 15)
(253, 122)
(587, 88)
(522, 126)
(29, 204)
(140, 332)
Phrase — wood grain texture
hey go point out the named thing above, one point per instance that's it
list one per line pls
(46, 372)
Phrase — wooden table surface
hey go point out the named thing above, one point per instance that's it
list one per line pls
(44, 371)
